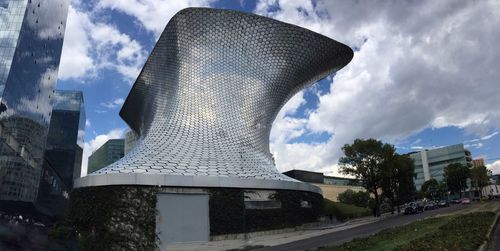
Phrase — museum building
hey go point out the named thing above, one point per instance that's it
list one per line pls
(203, 107)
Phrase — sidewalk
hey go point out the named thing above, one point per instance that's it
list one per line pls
(258, 239)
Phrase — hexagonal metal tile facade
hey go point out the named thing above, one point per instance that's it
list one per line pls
(207, 96)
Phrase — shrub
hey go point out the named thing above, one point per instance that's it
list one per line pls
(359, 198)
(343, 211)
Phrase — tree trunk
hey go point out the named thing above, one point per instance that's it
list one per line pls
(377, 203)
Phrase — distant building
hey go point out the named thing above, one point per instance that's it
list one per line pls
(63, 151)
(478, 162)
(430, 164)
(130, 140)
(330, 186)
(108, 153)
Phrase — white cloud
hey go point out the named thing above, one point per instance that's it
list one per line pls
(91, 46)
(98, 141)
(417, 65)
(152, 14)
(487, 137)
(494, 167)
(113, 103)
(75, 58)
(87, 123)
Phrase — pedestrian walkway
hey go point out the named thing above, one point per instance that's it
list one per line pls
(259, 240)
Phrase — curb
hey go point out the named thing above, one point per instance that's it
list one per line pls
(486, 244)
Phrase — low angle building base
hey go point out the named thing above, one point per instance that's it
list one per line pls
(131, 217)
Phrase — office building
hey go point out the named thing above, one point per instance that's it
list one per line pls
(203, 107)
(31, 38)
(430, 164)
(107, 154)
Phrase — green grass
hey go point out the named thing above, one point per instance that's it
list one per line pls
(343, 211)
(390, 238)
(458, 232)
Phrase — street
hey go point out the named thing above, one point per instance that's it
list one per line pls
(360, 231)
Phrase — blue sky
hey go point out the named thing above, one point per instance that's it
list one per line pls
(422, 76)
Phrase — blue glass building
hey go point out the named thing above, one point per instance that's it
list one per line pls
(31, 38)
(63, 152)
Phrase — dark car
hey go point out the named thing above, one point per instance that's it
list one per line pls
(444, 203)
(413, 208)
(430, 205)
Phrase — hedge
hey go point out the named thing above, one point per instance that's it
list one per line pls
(343, 211)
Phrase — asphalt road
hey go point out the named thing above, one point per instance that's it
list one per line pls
(340, 237)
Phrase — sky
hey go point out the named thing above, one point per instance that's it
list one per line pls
(424, 73)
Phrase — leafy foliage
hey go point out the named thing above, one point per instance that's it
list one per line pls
(456, 176)
(343, 211)
(359, 198)
(480, 177)
(365, 160)
(397, 182)
(113, 218)
(430, 189)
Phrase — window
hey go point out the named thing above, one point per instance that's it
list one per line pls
(261, 199)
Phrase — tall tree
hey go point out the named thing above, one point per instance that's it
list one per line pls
(365, 160)
(479, 178)
(397, 181)
(456, 176)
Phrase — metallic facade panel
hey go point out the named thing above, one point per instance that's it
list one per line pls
(207, 96)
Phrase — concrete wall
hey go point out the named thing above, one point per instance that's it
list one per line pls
(332, 191)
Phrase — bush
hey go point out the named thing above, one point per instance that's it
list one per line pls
(359, 198)
(343, 211)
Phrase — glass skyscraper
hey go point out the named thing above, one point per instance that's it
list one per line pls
(64, 147)
(63, 151)
(31, 38)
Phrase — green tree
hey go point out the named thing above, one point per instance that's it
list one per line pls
(456, 176)
(480, 178)
(359, 198)
(442, 189)
(365, 160)
(397, 181)
(430, 189)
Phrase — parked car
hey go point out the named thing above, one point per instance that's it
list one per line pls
(430, 205)
(456, 201)
(413, 208)
(443, 203)
(465, 201)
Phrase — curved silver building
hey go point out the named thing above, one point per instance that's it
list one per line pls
(206, 99)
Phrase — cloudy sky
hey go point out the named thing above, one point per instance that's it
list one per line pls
(424, 73)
